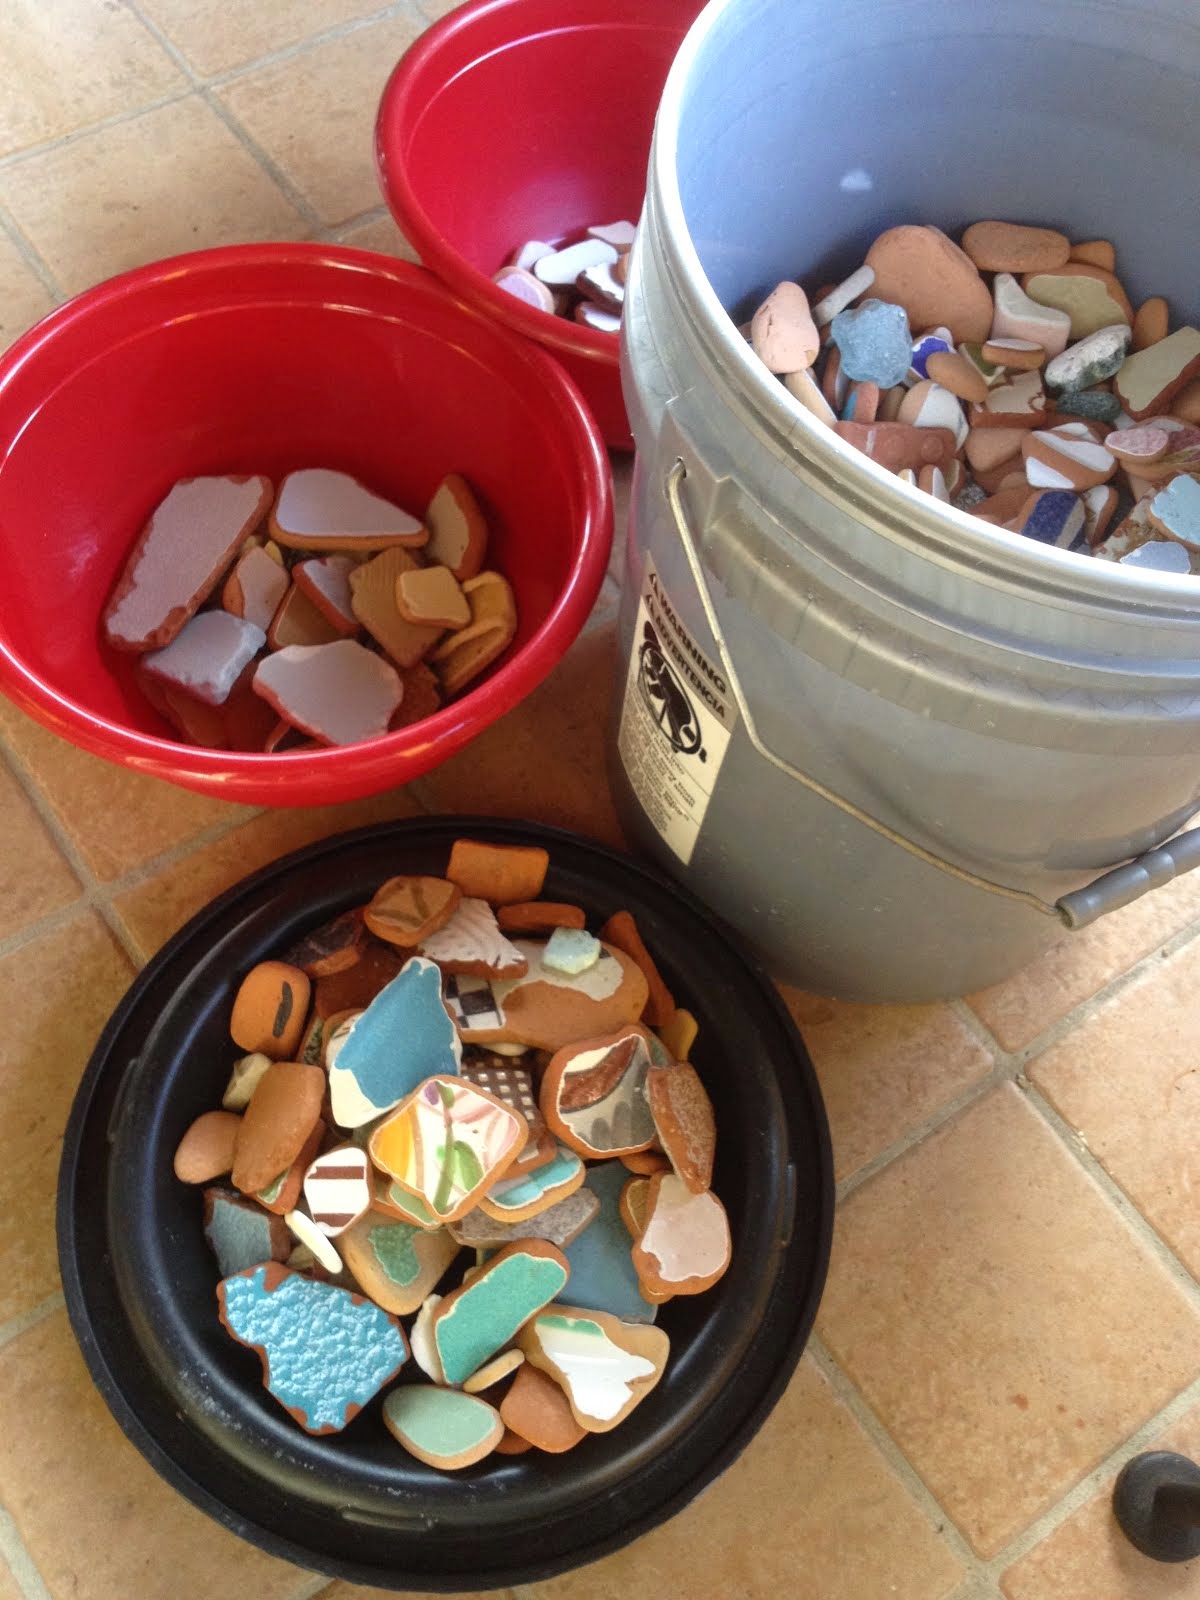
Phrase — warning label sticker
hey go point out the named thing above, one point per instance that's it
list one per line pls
(676, 720)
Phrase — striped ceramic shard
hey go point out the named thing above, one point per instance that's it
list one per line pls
(337, 1188)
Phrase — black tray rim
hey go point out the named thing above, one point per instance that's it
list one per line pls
(113, 1392)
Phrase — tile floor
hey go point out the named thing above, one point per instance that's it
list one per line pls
(1013, 1305)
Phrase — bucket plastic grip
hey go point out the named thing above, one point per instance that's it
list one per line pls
(1114, 889)
(1132, 880)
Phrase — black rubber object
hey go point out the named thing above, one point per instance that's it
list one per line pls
(1156, 1500)
(140, 1282)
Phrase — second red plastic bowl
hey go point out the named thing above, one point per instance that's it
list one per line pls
(528, 119)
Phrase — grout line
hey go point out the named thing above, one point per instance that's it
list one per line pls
(117, 119)
(28, 1579)
(1086, 1008)
(318, 1584)
(214, 104)
(16, 1326)
(977, 1028)
(860, 1409)
(1147, 1234)
(425, 797)
(287, 52)
(95, 895)
(30, 255)
(207, 87)
(170, 857)
(983, 1574)
(1096, 1480)
(290, 190)
(362, 220)
(1000, 1073)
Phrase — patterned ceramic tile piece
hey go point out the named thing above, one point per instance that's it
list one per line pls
(733, 1544)
(1079, 966)
(327, 153)
(1000, 1317)
(883, 1069)
(95, 1517)
(110, 199)
(446, 1143)
(1129, 1079)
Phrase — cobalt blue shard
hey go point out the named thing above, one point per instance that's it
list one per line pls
(874, 342)
(929, 344)
(1057, 518)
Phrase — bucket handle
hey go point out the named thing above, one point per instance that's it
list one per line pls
(1114, 889)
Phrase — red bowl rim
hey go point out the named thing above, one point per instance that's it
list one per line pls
(403, 100)
(372, 760)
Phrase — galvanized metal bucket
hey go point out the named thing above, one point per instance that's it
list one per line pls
(901, 750)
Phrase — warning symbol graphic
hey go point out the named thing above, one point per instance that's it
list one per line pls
(675, 721)
(665, 697)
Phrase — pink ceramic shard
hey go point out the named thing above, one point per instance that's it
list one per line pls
(340, 692)
(255, 587)
(326, 582)
(319, 507)
(522, 285)
(208, 656)
(177, 562)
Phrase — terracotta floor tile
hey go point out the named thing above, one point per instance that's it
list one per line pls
(215, 36)
(811, 1512)
(170, 180)
(73, 62)
(9, 1588)
(34, 877)
(1000, 1317)
(155, 909)
(381, 234)
(546, 759)
(89, 795)
(97, 1520)
(1129, 1079)
(434, 9)
(352, 1591)
(56, 993)
(1080, 965)
(327, 153)
(22, 298)
(622, 484)
(1089, 1556)
(883, 1069)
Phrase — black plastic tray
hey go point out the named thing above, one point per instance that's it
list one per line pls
(140, 1282)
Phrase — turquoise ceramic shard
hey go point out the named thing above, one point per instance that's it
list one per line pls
(325, 1352)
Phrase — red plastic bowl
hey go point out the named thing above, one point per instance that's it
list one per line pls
(528, 119)
(264, 358)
